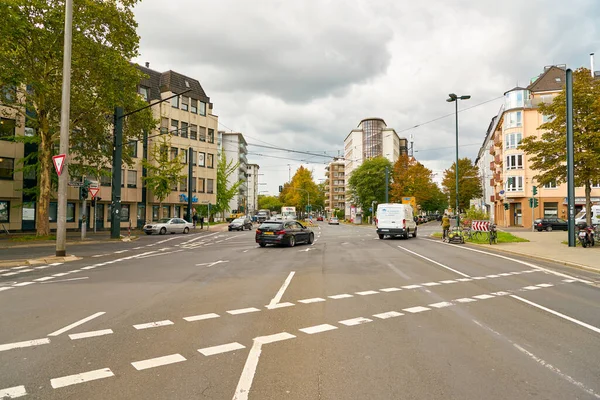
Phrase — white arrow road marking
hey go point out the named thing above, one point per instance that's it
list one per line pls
(76, 324)
(281, 290)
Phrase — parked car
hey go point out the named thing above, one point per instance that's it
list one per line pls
(320, 218)
(170, 225)
(334, 221)
(548, 224)
(239, 224)
(287, 233)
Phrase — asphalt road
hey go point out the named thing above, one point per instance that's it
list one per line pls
(212, 315)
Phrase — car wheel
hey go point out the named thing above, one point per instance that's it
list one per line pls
(186, 230)
(311, 238)
(549, 228)
(380, 236)
(292, 241)
(163, 230)
(261, 244)
(415, 233)
(229, 229)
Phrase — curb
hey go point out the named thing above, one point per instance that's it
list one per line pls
(37, 261)
(73, 243)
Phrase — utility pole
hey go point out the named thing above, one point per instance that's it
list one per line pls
(190, 178)
(84, 211)
(115, 209)
(570, 160)
(65, 111)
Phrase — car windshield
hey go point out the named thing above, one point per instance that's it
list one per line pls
(271, 225)
(164, 221)
(238, 220)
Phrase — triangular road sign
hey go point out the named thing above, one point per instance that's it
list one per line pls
(93, 191)
(59, 162)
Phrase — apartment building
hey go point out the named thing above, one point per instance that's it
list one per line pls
(235, 148)
(188, 122)
(371, 138)
(335, 187)
(253, 187)
(11, 179)
(513, 178)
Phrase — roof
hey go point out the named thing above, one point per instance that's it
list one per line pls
(553, 79)
(515, 88)
(372, 119)
(173, 82)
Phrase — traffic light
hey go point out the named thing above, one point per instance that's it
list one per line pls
(506, 206)
(535, 203)
(534, 190)
(280, 188)
(530, 202)
(83, 193)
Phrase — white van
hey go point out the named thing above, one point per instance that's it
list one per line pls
(395, 219)
(581, 216)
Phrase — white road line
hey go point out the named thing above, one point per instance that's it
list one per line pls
(389, 314)
(2, 289)
(545, 285)
(11, 273)
(26, 270)
(493, 276)
(13, 392)
(89, 267)
(153, 324)
(479, 277)
(279, 305)
(505, 274)
(531, 288)
(411, 287)
(98, 255)
(67, 280)
(201, 317)
(282, 289)
(46, 278)
(367, 292)
(483, 296)
(355, 321)
(55, 264)
(223, 348)
(571, 319)
(441, 304)
(135, 248)
(27, 343)
(448, 281)
(569, 280)
(431, 283)
(417, 309)
(277, 337)
(61, 274)
(390, 289)
(85, 335)
(313, 300)
(243, 311)
(121, 251)
(500, 293)
(21, 267)
(77, 323)
(318, 329)
(340, 296)
(23, 284)
(464, 279)
(465, 300)
(158, 361)
(434, 262)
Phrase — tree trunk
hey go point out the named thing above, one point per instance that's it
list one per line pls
(45, 179)
(588, 203)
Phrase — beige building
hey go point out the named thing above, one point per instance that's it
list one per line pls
(513, 179)
(335, 187)
(11, 180)
(189, 122)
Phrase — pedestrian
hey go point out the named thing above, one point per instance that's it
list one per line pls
(195, 219)
(445, 226)
(202, 222)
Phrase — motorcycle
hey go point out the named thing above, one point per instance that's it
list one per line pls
(586, 236)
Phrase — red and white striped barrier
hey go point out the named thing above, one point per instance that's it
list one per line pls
(480, 226)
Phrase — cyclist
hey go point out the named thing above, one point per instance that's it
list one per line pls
(445, 226)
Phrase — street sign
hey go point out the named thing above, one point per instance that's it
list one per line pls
(75, 184)
(59, 162)
(94, 184)
(93, 191)
(501, 192)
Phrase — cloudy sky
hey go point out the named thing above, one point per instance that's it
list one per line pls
(302, 74)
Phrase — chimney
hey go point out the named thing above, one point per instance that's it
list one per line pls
(592, 63)
(147, 64)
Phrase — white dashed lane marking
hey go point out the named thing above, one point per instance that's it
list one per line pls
(153, 324)
(313, 300)
(201, 317)
(13, 392)
(389, 314)
(243, 311)
(367, 292)
(27, 343)
(483, 296)
(355, 321)
(465, 300)
(85, 335)
(318, 329)
(340, 296)
(441, 304)
(411, 287)
(390, 289)
(224, 348)
(158, 361)
(417, 309)
(81, 378)
(279, 305)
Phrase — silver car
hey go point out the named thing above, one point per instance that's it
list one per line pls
(171, 225)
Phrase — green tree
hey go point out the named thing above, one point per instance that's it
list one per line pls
(269, 203)
(547, 152)
(31, 57)
(469, 185)
(296, 193)
(162, 171)
(437, 202)
(411, 178)
(225, 194)
(367, 182)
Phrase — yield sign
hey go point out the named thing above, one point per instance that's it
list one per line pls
(93, 191)
(59, 162)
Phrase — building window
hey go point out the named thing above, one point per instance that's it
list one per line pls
(183, 184)
(202, 108)
(184, 130)
(209, 185)
(194, 183)
(131, 179)
(210, 160)
(194, 107)
(201, 185)
(184, 158)
(174, 186)
(514, 161)
(8, 128)
(550, 185)
(211, 135)
(194, 156)
(4, 211)
(124, 212)
(193, 132)
(185, 101)
(174, 151)
(513, 140)
(201, 161)
(165, 210)
(202, 133)
(7, 168)
(144, 91)
(513, 119)
(70, 212)
(133, 148)
(53, 211)
(164, 126)
(514, 184)
(122, 178)
(106, 177)
(177, 213)
(155, 213)
(174, 127)
(550, 209)
(175, 102)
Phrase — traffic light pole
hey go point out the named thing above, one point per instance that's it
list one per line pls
(84, 219)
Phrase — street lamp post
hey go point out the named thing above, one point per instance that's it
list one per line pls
(454, 98)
